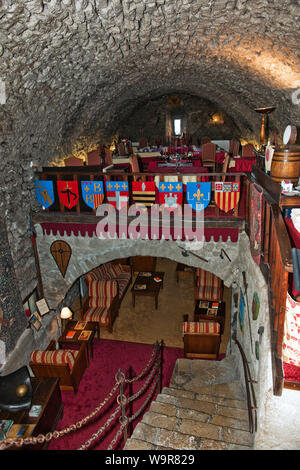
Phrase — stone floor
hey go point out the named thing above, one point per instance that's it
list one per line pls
(145, 324)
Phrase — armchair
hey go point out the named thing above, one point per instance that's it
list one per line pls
(67, 365)
(201, 339)
(102, 303)
(207, 286)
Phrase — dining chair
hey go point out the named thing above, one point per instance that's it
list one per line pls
(248, 151)
(73, 161)
(234, 147)
(205, 140)
(209, 156)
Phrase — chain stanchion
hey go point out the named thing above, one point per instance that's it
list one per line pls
(154, 370)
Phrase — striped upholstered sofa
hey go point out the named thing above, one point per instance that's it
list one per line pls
(207, 286)
(107, 285)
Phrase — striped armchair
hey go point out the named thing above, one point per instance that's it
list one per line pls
(67, 365)
(201, 339)
(207, 286)
(102, 304)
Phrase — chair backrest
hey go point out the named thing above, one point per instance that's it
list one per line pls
(134, 164)
(205, 140)
(234, 147)
(102, 293)
(94, 158)
(209, 152)
(108, 157)
(121, 149)
(143, 143)
(225, 165)
(248, 150)
(73, 161)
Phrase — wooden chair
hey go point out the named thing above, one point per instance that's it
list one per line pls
(201, 340)
(225, 165)
(234, 147)
(209, 156)
(73, 161)
(248, 151)
(93, 158)
(143, 142)
(134, 166)
(67, 365)
(205, 140)
(102, 303)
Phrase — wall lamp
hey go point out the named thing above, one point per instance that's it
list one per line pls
(222, 256)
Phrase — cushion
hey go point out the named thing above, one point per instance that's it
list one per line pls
(116, 270)
(56, 357)
(102, 293)
(98, 314)
(205, 278)
(201, 328)
(100, 273)
(208, 293)
(122, 284)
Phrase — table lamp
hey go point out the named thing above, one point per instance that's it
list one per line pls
(65, 314)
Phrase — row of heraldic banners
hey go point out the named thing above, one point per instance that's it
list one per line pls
(227, 194)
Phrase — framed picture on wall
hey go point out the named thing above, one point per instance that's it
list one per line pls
(242, 310)
(42, 307)
(35, 320)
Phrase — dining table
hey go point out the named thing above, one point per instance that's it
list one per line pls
(241, 165)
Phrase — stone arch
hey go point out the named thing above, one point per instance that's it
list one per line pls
(89, 252)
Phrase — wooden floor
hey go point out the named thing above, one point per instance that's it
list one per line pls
(145, 324)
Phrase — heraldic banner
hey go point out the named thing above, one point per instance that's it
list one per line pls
(170, 194)
(117, 193)
(92, 193)
(198, 195)
(227, 195)
(44, 193)
(143, 193)
(68, 193)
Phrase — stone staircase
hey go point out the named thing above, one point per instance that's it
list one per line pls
(204, 408)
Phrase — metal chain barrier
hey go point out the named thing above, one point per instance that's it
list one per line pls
(152, 365)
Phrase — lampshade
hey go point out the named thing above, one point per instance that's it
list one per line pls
(66, 313)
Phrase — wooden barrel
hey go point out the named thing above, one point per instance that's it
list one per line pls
(286, 164)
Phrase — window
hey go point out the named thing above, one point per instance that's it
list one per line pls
(177, 126)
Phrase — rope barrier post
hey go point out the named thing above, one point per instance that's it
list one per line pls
(122, 403)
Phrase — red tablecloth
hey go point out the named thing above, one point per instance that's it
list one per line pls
(242, 165)
(153, 166)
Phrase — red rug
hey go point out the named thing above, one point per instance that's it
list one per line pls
(97, 382)
(291, 372)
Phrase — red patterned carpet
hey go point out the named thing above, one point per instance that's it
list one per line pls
(97, 382)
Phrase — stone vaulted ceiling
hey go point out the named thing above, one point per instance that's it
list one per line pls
(75, 68)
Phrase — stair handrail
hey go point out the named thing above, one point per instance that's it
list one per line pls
(250, 393)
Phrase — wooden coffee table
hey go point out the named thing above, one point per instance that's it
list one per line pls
(152, 287)
(90, 326)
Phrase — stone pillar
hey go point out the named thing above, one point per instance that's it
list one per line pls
(13, 320)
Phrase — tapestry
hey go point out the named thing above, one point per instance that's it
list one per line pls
(256, 223)
(44, 193)
(291, 338)
(117, 193)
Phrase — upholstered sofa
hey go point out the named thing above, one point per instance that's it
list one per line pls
(107, 285)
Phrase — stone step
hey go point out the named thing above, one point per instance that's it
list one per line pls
(170, 439)
(203, 406)
(199, 429)
(201, 416)
(207, 393)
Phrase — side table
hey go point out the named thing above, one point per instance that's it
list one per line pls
(211, 310)
(90, 326)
